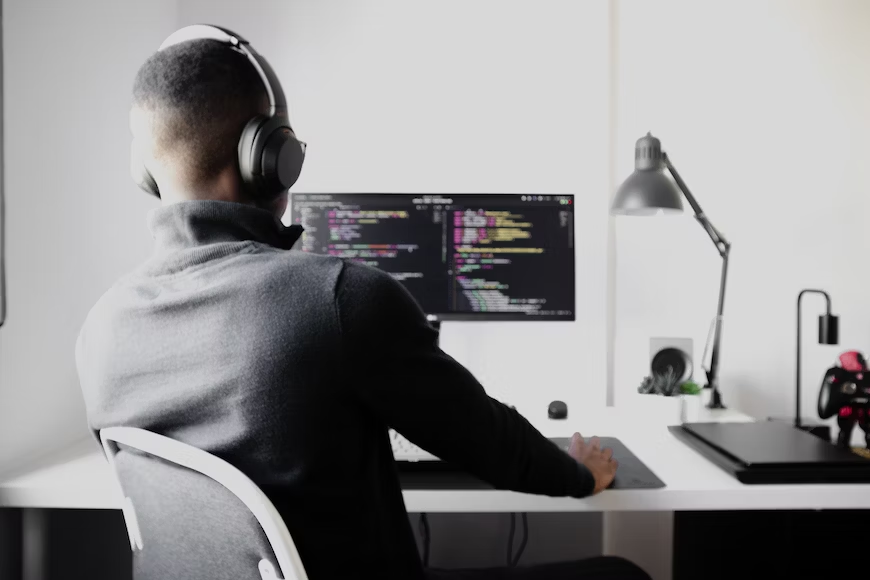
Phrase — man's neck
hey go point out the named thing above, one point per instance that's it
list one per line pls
(226, 186)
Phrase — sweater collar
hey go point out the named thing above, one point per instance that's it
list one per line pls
(193, 224)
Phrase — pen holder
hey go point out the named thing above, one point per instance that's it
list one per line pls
(657, 409)
(668, 411)
(663, 397)
(690, 408)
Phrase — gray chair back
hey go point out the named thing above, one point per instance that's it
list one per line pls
(193, 516)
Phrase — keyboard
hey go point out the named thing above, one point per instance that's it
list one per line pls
(404, 450)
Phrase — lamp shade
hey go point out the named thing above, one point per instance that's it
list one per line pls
(648, 190)
(829, 329)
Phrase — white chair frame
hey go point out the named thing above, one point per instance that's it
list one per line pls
(236, 482)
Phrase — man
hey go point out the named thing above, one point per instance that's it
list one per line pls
(291, 366)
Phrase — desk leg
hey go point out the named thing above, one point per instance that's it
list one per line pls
(34, 527)
(59, 544)
(10, 543)
(645, 538)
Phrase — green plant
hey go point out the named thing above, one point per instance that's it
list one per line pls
(690, 388)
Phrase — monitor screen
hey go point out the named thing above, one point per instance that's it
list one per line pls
(462, 256)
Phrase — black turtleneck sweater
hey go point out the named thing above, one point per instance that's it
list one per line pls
(292, 367)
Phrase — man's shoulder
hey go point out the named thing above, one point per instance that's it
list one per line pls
(304, 274)
(316, 273)
(362, 277)
(105, 309)
(298, 261)
(366, 293)
(97, 334)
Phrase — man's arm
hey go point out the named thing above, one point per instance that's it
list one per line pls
(398, 371)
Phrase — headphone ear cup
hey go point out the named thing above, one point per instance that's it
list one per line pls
(270, 156)
(283, 156)
(140, 174)
(246, 154)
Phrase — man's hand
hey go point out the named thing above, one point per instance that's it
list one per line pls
(599, 461)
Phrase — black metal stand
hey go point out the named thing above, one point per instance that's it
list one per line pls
(724, 249)
(827, 331)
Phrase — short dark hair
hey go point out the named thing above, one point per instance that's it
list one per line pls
(202, 93)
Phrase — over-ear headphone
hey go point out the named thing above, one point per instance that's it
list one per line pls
(270, 156)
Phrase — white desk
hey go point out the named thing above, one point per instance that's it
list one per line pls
(81, 479)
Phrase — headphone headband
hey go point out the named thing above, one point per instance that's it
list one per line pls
(277, 102)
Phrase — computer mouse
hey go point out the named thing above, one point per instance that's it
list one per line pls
(557, 410)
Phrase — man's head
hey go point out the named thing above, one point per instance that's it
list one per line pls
(190, 104)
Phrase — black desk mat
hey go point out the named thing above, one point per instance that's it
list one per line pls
(632, 473)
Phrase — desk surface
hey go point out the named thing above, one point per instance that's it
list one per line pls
(82, 479)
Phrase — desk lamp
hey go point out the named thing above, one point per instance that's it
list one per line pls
(829, 326)
(648, 191)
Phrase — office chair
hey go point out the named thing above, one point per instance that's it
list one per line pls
(192, 515)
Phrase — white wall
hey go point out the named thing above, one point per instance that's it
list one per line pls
(452, 96)
(75, 220)
(762, 105)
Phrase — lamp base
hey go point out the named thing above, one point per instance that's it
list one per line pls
(715, 400)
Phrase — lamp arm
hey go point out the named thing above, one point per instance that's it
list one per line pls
(722, 245)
